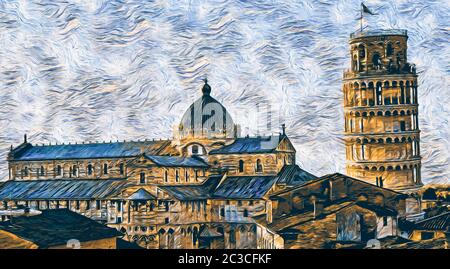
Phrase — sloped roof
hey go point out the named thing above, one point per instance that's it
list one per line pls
(293, 175)
(177, 161)
(258, 144)
(141, 194)
(439, 222)
(91, 151)
(61, 189)
(244, 187)
(55, 227)
(193, 192)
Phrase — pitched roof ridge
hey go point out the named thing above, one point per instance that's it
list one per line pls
(432, 218)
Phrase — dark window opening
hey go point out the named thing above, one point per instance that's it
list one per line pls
(105, 168)
(142, 178)
(241, 166)
(385, 221)
(89, 169)
(121, 169)
(426, 235)
(195, 149)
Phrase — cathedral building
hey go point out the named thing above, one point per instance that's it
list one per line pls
(382, 134)
(199, 190)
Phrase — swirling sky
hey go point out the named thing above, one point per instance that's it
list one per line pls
(107, 70)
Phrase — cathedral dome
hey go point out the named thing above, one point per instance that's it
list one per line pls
(206, 118)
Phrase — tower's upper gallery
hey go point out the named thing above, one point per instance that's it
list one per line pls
(378, 52)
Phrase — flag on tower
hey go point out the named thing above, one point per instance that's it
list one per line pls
(365, 9)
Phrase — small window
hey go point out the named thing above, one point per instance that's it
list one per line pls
(426, 235)
(89, 169)
(195, 149)
(402, 126)
(222, 212)
(245, 213)
(241, 166)
(142, 178)
(259, 167)
(88, 205)
(74, 171)
(166, 176)
(105, 168)
(385, 221)
(196, 175)
(77, 205)
(98, 204)
(121, 168)
(42, 171)
(59, 170)
(25, 171)
(177, 176)
(166, 220)
(186, 175)
(389, 50)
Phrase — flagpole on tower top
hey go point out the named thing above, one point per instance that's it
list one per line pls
(361, 18)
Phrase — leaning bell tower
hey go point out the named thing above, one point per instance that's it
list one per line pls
(381, 111)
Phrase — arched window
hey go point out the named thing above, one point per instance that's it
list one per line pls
(74, 171)
(105, 168)
(59, 170)
(177, 176)
(376, 61)
(142, 178)
(379, 93)
(121, 168)
(259, 167)
(241, 166)
(89, 169)
(41, 171)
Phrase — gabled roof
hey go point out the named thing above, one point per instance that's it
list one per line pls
(91, 151)
(293, 175)
(61, 189)
(250, 145)
(141, 195)
(56, 227)
(244, 187)
(439, 222)
(370, 188)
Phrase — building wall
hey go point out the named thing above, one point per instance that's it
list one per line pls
(31, 170)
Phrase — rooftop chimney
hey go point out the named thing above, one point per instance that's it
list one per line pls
(283, 128)
(25, 138)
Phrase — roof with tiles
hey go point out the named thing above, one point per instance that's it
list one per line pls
(55, 227)
(439, 222)
(178, 161)
(61, 189)
(244, 187)
(29, 152)
(293, 175)
(193, 192)
(260, 144)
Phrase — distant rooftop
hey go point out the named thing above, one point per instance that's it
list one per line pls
(379, 32)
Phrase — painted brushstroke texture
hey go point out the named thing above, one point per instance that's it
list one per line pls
(106, 70)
